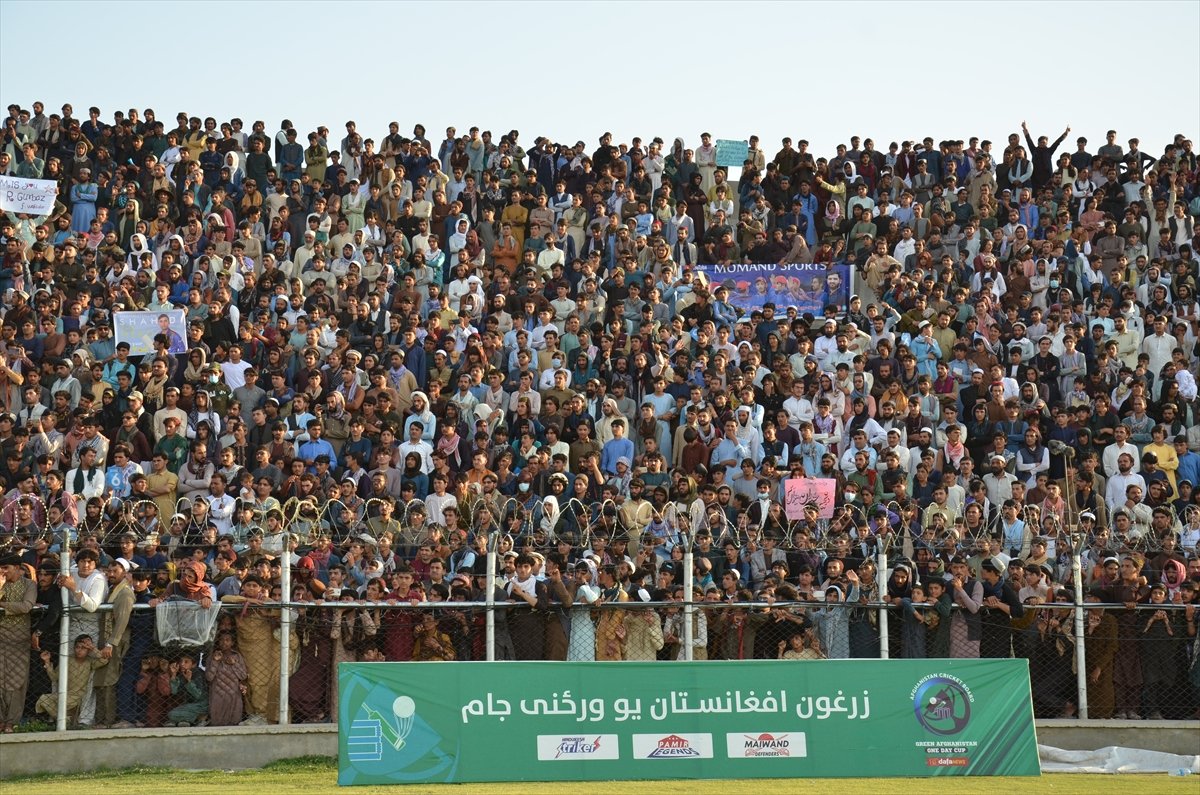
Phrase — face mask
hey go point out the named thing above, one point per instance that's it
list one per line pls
(764, 497)
(523, 487)
(212, 379)
(556, 363)
(1054, 284)
(849, 496)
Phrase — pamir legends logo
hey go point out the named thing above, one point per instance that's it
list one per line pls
(942, 704)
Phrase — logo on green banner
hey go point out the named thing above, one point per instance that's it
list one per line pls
(942, 704)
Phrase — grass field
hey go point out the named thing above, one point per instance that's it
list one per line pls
(312, 774)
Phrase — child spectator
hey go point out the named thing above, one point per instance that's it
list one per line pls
(79, 679)
(155, 685)
(226, 677)
(833, 620)
(804, 645)
(913, 643)
(188, 684)
(937, 620)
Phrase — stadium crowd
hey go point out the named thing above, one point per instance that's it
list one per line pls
(397, 349)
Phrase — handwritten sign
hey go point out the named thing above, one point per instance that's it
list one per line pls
(30, 196)
(731, 154)
(799, 492)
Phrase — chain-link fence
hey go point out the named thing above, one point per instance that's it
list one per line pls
(233, 663)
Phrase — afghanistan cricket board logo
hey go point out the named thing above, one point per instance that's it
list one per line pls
(942, 704)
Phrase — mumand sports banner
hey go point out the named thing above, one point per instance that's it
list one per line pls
(140, 328)
(29, 196)
(404, 723)
(808, 287)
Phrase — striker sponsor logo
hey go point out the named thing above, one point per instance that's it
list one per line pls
(577, 746)
(551, 747)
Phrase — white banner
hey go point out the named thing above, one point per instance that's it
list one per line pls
(31, 196)
(140, 328)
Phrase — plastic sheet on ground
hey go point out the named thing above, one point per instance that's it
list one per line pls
(1114, 759)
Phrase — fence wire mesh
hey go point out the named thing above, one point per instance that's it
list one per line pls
(815, 596)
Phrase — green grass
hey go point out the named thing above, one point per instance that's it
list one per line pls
(314, 773)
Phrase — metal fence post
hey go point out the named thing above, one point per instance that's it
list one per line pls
(285, 629)
(64, 636)
(489, 598)
(1081, 684)
(689, 606)
(881, 577)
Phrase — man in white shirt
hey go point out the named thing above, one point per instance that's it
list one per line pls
(88, 587)
(1159, 345)
(998, 481)
(798, 407)
(895, 445)
(825, 346)
(416, 444)
(235, 369)
(550, 255)
(1115, 494)
(1120, 447)
(220, 504)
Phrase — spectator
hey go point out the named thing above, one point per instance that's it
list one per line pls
(441, 342)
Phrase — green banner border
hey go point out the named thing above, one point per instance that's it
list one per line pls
(553, 721)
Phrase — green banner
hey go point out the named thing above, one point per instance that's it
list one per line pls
(554, 721)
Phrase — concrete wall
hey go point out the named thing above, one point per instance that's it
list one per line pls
(1168, 736)
(239, 747)
(225, 748)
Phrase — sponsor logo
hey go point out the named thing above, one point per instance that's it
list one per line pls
(369, 736)
(672, 746)
(946, 761)
(551, 747)
(766, 744)
(942, 704)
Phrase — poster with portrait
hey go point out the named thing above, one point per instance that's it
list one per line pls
(140, 328)
(807, 286)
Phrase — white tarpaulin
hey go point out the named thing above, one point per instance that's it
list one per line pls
(30, 196)
(185, 623)
(1114, 759)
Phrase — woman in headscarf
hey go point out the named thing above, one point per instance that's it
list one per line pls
(449, 442)
(581, 367)
(899, 587)
(191, 585)
(412, 473)
(474, 248)
(202, 411)
(233, 161)
(836, 397)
